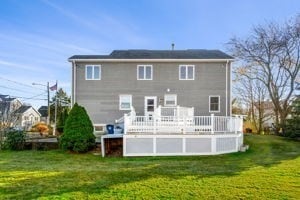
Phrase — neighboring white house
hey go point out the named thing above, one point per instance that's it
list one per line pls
(8, 106)
(27, 117)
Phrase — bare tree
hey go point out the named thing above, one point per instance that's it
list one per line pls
(8, 116)
(271, 53)
(252, 93)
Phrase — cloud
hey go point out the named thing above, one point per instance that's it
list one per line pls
(106, 25)
(71, 15)
(4, 63)
(46, 43)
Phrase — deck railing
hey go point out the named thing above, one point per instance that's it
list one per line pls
(184, 125)
(174, 111)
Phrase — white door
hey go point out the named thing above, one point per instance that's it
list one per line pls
(150, 106)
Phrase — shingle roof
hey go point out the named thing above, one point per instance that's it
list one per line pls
(159, 54)
(22, 109)
(4, 97)
(43, 110)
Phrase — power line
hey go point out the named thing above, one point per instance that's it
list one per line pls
(26, 98)
(12, 88)
(35, 96)
(19, 83)
(18, 90)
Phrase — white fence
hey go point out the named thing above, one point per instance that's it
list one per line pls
(167, 145)
(182, 125)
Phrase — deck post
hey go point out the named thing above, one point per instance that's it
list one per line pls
(154, 124)
(236, 124)
(184, 125)
(212, 123)
(125, 123)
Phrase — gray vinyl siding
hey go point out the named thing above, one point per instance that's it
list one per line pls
(101, 97)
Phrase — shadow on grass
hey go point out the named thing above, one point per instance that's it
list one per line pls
(87, 174)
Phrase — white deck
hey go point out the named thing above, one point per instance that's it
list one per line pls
(176, 131)
(180, 121)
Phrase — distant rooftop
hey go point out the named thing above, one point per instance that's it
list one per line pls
(43, 110)
(4, 97)
(22, 109)
(159, 54)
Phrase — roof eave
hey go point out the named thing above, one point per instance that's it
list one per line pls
(152, 60)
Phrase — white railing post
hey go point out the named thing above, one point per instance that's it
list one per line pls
(212, 123)
(126, 123)
(157, 111)
(236, 125)
(154, 123)
(184, 125)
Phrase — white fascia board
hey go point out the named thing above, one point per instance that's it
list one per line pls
(150, 60)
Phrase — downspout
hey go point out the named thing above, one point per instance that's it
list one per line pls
(226, 86)
(74, 83)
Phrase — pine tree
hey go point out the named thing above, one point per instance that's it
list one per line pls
(78, 131)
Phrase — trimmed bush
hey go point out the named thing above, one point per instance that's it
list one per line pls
(15, 140)
(78, 131)
(40, 127)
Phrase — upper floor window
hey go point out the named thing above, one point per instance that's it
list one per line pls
(186, 72)
(92, 72)
(214, 103)
(144, 72)
(170, 99)
(125, 102)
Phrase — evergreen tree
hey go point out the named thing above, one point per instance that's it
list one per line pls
(61, 120)
(78, 131)
(63, 103)
(293, 124)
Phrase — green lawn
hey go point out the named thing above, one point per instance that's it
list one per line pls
(269, 170)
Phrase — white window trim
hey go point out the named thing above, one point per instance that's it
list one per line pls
(144, 66)
(120, 108)
(186, 74)
(175, 95)
(93, 67)
(101, 125)
(219, 102)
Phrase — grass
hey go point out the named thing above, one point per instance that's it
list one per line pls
(269, 170)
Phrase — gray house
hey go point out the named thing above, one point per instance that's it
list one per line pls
(154, 84)
(108, 85)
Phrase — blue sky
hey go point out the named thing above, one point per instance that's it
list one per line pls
(38, 36)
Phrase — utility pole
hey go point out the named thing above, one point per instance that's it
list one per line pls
(48, 108)
(55, 115)
(48, 100)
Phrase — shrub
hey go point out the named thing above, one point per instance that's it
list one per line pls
(40, 127)
(293, 124)
(62, 118)
(15, 140)
(78, 131)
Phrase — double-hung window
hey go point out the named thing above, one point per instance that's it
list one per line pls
(214, 103)
(144, 72)
(125, 102)
(170, 100)
(186, 72)
(93, 72)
